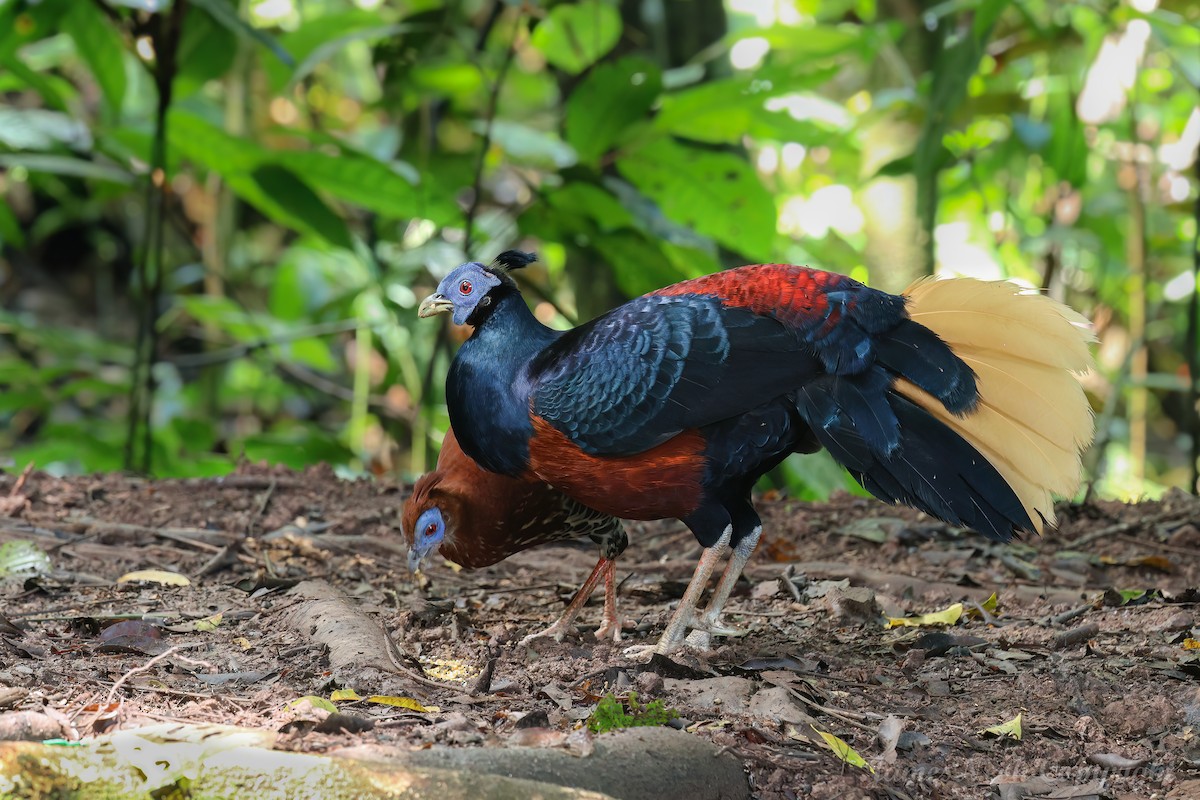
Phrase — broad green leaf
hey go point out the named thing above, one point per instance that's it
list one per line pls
(327, 48)
(844, 751)
(301, 204)
(358, 179)
(523, 144)
(728, 109)
(607, 102)
(207, 50)
(716, 194)
(99, 44)
(638, 264)
(947, 616)
(315, 32)
(806, 43)
(226, 14)
(273, 189)
(10, 229)
(1010, 729)
(20, 558)
(591, 201)
(66, 165)
(573, 36)
(155, 576)
(39, 129)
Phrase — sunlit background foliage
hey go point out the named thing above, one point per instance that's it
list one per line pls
(219, 215)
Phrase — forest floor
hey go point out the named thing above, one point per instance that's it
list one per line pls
(1089, 641)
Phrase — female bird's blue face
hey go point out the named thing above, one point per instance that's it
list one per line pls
(460, 293)
(429, 533)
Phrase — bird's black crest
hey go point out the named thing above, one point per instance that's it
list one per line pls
(514, 259)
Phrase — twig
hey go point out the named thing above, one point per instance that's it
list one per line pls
(174, 651)
(490, 119)
(19, 484)
(1076, 635)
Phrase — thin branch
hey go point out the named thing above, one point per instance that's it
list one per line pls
(1192, 342)
(489, 120)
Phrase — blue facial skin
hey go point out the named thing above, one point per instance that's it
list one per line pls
(459, 292)
(430, 531)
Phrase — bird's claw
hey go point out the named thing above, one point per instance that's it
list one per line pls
(557, 632)
(610, 631)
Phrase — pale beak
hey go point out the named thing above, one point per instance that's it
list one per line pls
(433, 305)
(415, 557)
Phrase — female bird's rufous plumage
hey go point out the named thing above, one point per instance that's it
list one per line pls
(958, 397)
(477, 518)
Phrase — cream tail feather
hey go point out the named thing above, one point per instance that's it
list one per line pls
(1033, 420)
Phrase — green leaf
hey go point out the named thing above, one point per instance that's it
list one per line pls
(1010, 729)
(326, 49)
(299, 202)
(953, 67)
(526, 145)
(100, 45)
(207, 50)
(21, 558)
(39, 129)
(726, 110)
(314, 33)
(357, 179)
(607, 102)
(226, 14)
(639, 265)
(573, 36)
(66, 165)
(273, 189)
(844, 751)
(10, 228)
(591, 201)
(717, 194)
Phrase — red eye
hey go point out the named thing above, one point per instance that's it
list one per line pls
(431, 529)
(464, 287)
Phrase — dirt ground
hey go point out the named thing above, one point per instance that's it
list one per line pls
(1105, 679)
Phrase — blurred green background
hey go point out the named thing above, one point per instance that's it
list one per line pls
(219, 215)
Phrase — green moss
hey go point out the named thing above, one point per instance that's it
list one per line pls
(611, 715)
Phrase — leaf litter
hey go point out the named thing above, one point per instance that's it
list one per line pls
(330, 644)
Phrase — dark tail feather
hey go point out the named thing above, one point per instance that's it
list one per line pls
(914, 352)
(933, 468)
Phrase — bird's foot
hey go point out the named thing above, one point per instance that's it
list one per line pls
(714, 626)
(557, 632)
(609, 630)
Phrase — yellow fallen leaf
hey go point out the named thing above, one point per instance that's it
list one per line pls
(209, 623)
(402, 702)
(1191, 644)
(155, 576)
(243, 643)
(1011, 729)
(947, 616)
(344, 694)
(844, 751)
(312, 700)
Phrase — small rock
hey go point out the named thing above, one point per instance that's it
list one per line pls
(730, 694)
(649, 683)
(765, 590)
(1179, 621)
(776, 703)
(854, 603)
